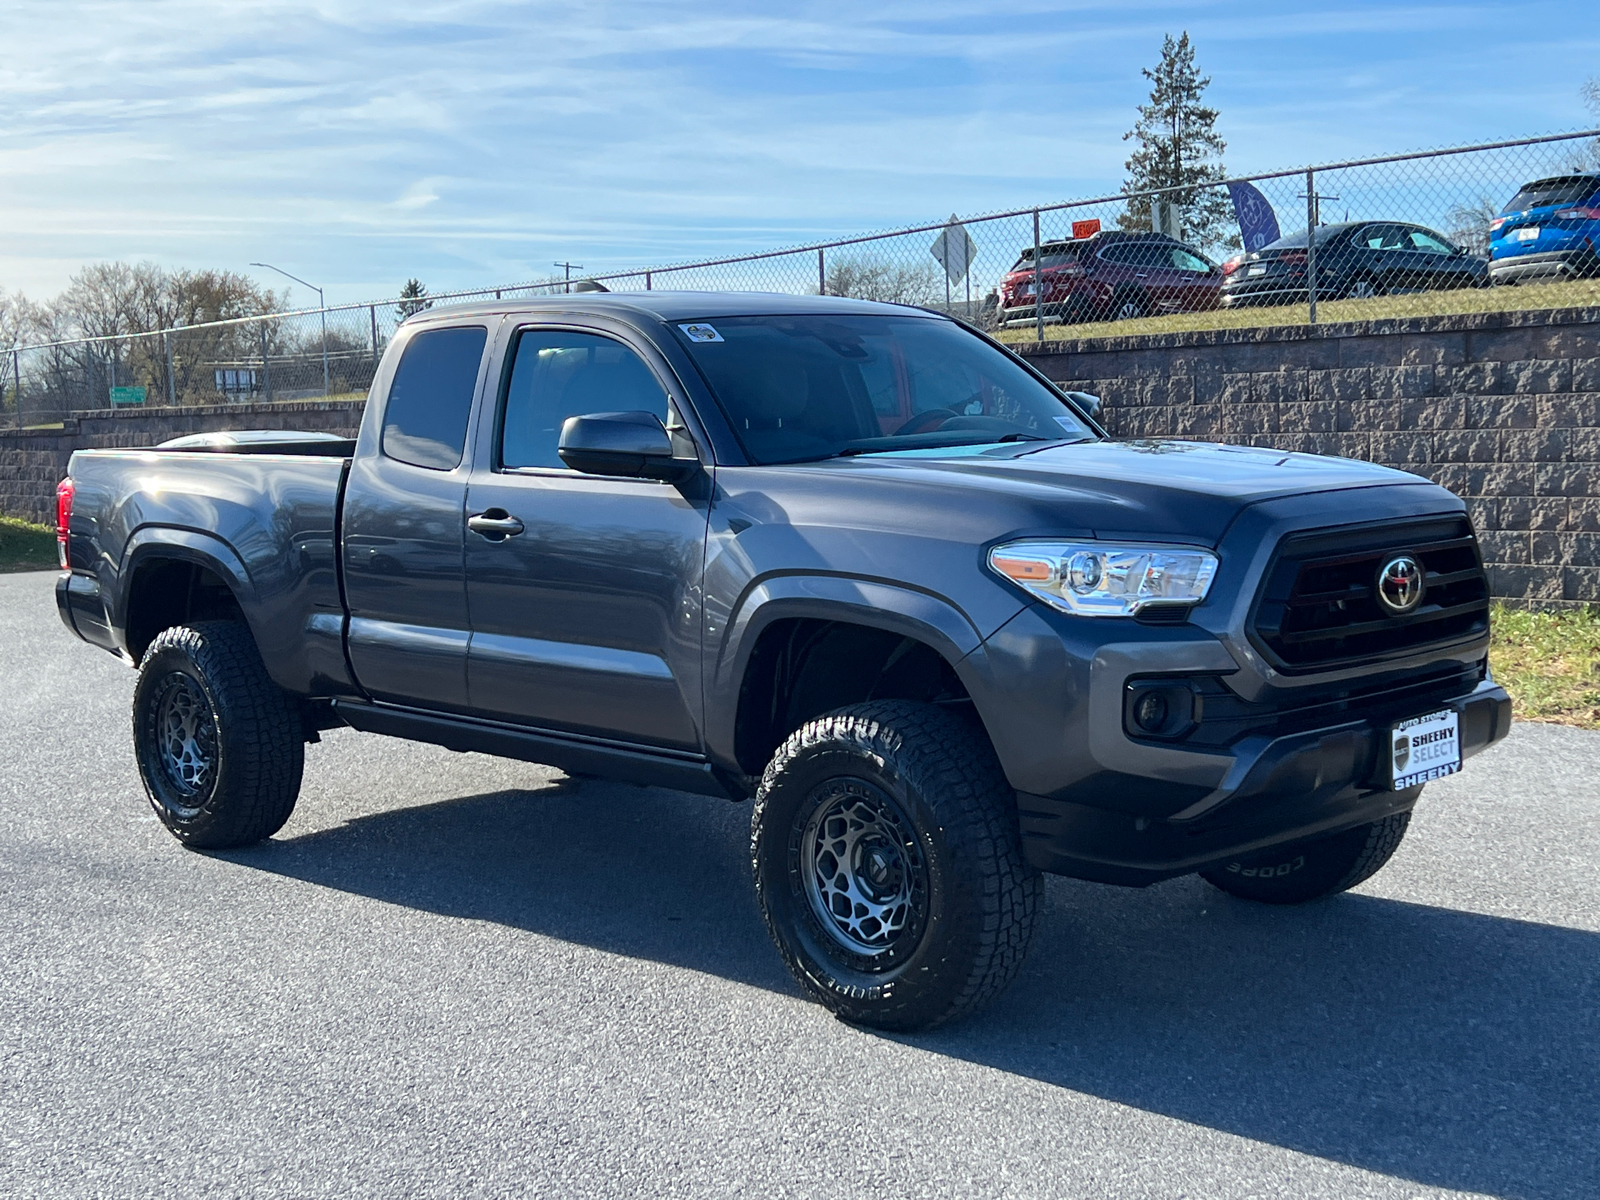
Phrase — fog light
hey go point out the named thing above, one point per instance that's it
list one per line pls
(1150, 713)
(1161, 708)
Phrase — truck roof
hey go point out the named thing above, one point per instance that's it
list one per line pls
(676, 306)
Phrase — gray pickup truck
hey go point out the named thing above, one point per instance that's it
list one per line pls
(853, 560)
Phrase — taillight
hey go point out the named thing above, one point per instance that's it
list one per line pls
(1582, 213)
(1293, 256)
(1232, 265)
(64, 493)
(1494, 225)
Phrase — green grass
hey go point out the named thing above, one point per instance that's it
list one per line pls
(1573, 294)
(1550, 663)
(25, 546)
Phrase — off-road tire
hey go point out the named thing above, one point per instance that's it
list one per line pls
(968, 935)
(1311, 870)
(255, 741)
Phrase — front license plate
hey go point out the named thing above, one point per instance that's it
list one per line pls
(1530, 234)
(1425, 748)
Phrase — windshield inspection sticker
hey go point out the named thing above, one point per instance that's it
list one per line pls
(1069, 424)
(700, 332)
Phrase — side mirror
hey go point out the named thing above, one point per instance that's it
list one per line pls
(631, 444)
(1089, 403)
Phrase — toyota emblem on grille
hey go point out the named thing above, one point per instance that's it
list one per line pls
(1400, 584)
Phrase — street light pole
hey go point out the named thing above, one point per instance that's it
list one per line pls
(321, 303)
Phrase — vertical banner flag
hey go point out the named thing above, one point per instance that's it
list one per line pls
(1258, 224)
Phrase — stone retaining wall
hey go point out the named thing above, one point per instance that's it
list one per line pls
(1502, 408)
(31, 461)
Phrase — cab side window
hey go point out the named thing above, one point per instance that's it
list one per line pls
(425, 417)
(558, 374)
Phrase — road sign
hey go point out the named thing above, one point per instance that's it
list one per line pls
(954, 249)
(126, 395)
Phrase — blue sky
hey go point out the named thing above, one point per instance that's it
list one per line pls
(476, 143)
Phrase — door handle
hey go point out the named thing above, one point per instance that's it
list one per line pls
(496, 524)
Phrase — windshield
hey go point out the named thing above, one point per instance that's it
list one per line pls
(801, 388)
(1049, 256)
(1566, 189)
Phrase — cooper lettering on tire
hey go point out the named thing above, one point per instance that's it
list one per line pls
(888, 865)
(1323, 867)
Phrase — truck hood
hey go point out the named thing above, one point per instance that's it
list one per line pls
(1188, 490)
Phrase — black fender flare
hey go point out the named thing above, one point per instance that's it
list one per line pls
(176, 544)
(910, 612)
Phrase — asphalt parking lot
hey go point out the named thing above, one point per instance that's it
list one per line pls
(451, 975)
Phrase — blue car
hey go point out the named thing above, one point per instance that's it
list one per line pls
(1550, 230)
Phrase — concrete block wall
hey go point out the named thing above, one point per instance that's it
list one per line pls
(32, 461)
(1502, 408)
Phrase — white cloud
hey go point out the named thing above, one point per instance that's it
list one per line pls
(477, 141)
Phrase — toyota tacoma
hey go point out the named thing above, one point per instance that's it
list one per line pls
(854, 561)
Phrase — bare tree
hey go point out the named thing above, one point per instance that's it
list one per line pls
(892, 283)
(1469, 225)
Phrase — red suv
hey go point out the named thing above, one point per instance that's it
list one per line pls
(1110, 277)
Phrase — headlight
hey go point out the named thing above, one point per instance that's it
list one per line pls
(1101, 579)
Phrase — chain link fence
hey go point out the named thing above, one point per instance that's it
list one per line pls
(1506, 225)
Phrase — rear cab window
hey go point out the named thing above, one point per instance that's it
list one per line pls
(430, 401)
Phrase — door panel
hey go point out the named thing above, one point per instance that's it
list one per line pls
(403, 530)
(589, 619)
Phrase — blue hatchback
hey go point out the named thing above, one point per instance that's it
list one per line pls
(1550, 230)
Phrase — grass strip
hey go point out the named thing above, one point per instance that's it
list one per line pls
(1549, 662)
(25, 546)
(1572, 294)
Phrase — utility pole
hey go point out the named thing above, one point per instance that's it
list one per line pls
(570, 268)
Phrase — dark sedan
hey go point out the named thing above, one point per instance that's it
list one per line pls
(1355, 259)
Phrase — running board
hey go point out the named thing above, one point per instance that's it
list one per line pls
(572, 753)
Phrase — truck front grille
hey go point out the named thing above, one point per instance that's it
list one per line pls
(1319, 608)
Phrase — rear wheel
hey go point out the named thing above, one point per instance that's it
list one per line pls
(888, 865)
(220, 747)
(1129, 306)
(1311, 870)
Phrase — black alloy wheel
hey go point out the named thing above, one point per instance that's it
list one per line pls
(220, 747)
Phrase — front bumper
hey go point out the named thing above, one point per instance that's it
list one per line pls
(1276, 791)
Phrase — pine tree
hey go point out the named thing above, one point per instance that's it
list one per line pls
(1179, 148)
(413, 299)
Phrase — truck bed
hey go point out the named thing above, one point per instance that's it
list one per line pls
(268, 518)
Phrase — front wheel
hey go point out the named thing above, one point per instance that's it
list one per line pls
(1311, 870)
(220, 746)
(888, 865)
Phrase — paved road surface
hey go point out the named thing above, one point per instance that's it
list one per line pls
(454, 976)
